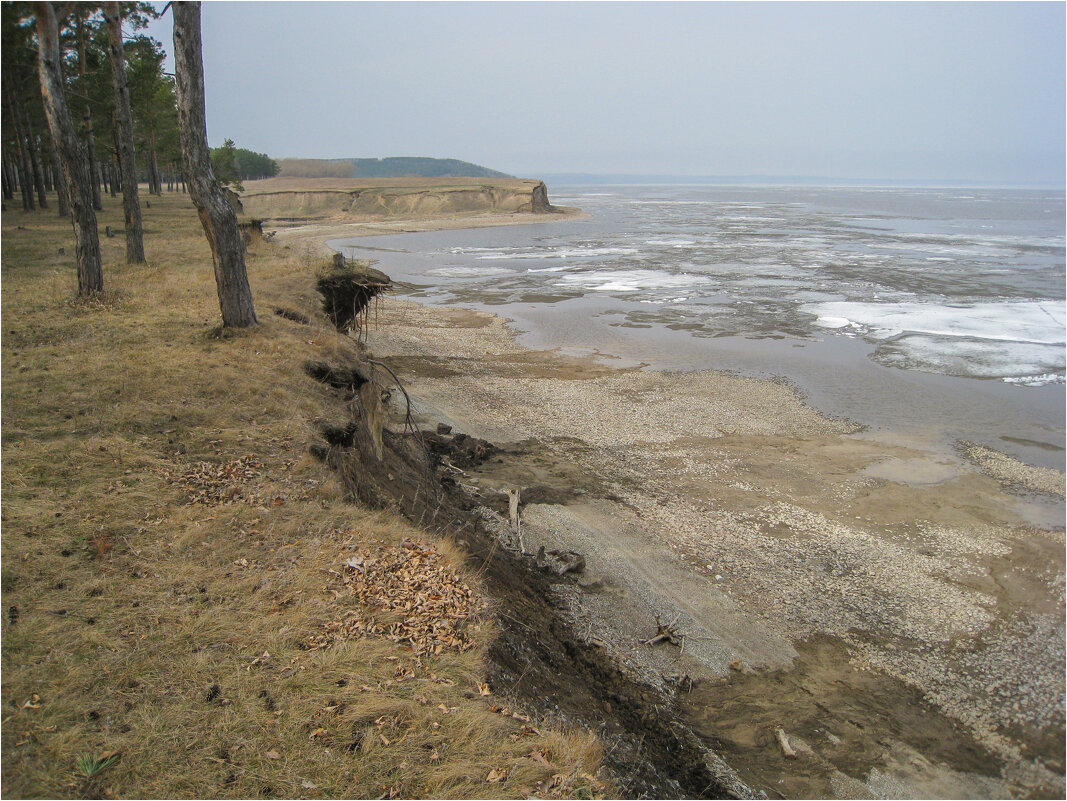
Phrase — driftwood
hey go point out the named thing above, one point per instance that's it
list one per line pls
(513, 515)
(666, 633)
(783, 743)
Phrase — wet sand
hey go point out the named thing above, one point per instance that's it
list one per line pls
(893, 610)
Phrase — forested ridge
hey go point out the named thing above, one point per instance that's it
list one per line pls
(392, 167)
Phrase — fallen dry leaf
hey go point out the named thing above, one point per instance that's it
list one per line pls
(537, 756)
(273, 755)
(497, 775)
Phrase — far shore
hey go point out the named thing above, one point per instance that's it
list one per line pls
(799, 561)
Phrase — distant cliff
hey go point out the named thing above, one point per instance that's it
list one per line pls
(339, 199)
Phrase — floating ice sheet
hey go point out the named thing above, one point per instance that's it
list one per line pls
(629, 280)
(1036, 322)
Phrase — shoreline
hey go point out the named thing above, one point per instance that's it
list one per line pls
(314, 234)
(763, 528)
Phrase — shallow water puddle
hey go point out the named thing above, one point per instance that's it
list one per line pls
(856, 732)
(915, 472)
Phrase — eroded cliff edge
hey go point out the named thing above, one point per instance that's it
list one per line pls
(312, 199)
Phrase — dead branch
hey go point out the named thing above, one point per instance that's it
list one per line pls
(666, 633)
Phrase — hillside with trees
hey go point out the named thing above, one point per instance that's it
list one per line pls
(393, 167)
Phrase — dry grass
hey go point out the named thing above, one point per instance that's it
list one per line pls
(171, 625)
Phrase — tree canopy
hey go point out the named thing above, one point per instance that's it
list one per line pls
(234, 164)
(83, 42)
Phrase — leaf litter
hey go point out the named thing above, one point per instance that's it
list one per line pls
(211, 484)
(406, 594)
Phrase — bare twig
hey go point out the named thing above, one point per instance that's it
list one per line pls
(666, 633)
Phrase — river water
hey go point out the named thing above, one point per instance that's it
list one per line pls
(930, 313)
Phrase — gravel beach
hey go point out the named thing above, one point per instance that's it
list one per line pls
(766, 532)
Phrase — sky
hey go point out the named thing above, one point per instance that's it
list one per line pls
(962, 92)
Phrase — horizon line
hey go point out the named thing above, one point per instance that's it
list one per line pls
(764, 178)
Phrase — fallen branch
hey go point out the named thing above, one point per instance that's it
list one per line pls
(666, 633)
(513, 514)
(447, 464)
(783, 742)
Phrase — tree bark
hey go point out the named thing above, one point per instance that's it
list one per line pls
(62, 196)
(155, 186)
(46, 171)
(71, 153)
(131, 205)
(87, 117)
(216, 214)
(8, 190)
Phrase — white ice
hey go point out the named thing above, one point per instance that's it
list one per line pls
(1039, 322)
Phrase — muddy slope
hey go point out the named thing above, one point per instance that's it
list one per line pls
(538, 658)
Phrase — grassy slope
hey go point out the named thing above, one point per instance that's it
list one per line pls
(136, 620)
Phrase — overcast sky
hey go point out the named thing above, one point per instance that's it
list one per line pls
(928, 91)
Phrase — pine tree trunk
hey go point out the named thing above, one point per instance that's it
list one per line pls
(87, 119)
(62, 196)
(131, 205)
(216, 214)
(71, 153)
(35, 165)
(155, 186)
(25, 182)
(9, 189)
